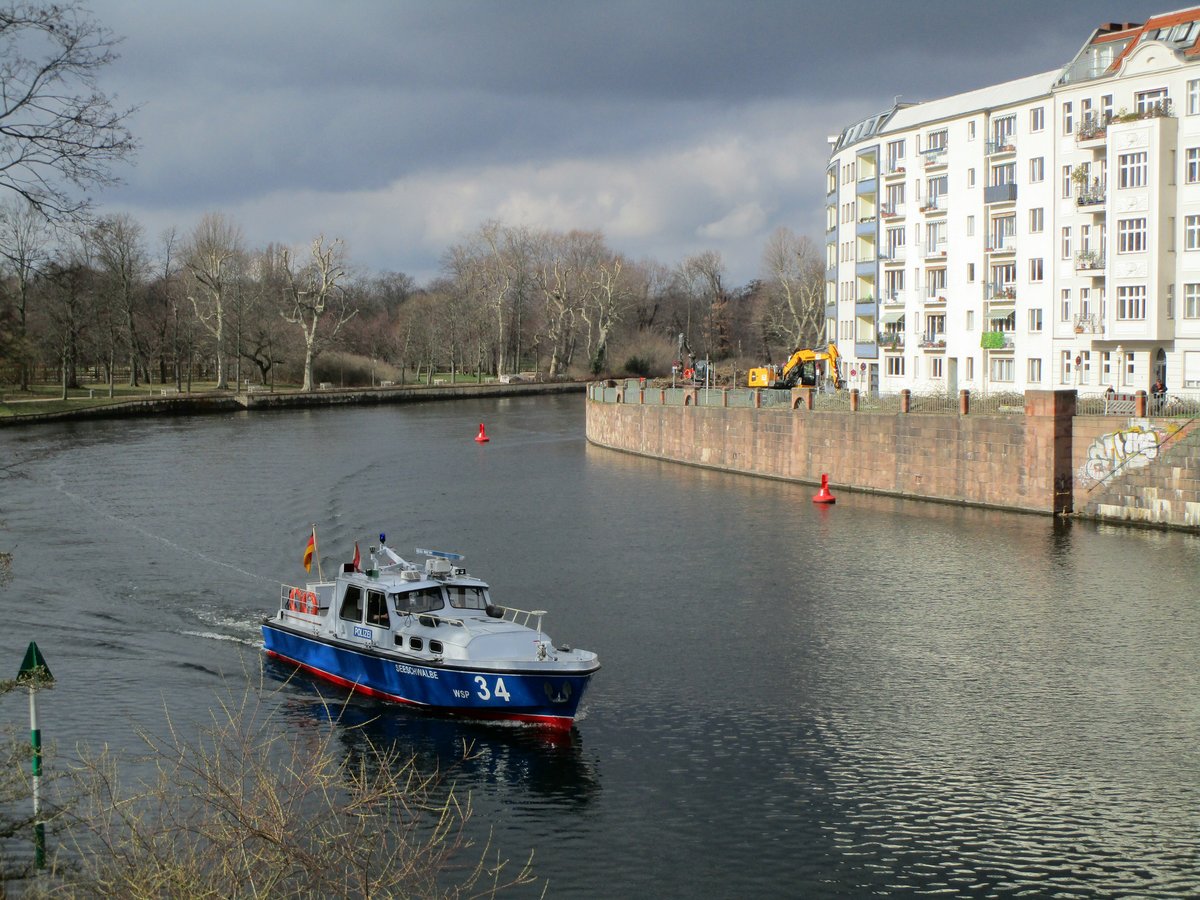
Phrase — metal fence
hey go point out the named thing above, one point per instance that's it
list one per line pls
(999, 403)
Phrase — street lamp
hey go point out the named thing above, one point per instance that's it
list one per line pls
(1120, 366)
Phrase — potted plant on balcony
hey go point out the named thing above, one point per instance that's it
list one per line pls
(1079, 177)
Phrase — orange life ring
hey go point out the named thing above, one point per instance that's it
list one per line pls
(294, 600)
(312, 603)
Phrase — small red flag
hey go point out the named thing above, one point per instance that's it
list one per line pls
(357, 557)
(308, 552)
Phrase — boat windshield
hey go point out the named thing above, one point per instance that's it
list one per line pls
(420, 600)
(463, 596)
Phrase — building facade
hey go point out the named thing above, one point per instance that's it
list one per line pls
(1038, 234)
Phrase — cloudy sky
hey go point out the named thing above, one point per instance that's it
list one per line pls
(673, 127)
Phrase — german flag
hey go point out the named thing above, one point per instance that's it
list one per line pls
(308, 551)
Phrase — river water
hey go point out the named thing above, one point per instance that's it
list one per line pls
(883, 697)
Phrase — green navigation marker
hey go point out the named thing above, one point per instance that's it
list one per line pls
(34, 670)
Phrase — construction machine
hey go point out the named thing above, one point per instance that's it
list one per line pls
(801, 368)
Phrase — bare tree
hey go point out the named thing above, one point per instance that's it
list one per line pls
(702, 278)
(24, 237)
(794, 312)
(212, 257)
(57, 129)
(312, 295)
(121, 257)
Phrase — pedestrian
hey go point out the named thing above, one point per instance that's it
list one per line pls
(1159, 393)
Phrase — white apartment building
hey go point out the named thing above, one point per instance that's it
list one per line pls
(1043, 233)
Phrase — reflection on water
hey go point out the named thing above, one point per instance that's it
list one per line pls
(531, 766)
(885, 697)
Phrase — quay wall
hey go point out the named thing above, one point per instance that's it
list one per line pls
(260, 401)
(1046, 461)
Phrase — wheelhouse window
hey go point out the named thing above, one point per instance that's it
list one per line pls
(352, 605)
(377, 612)
(421, 600)
(467, 596)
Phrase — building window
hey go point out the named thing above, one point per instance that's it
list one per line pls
(1005, 173)
(1068, 119)
(1035, 269)
(970, 368)
(895, 365)
(970, 131)
(1037, 118)
(937, 367)
(1151, 101)
(1066, 182)
(1065, 367)
(1191, 172)
(1131, 235)
(1131, 170)
(970, 271)
(936, 140)
(1064, 310)
(1066, 242)
(895, 153)
(1191, 301)
(970, 320)
(1002, 370)
(1037, 219)
(970, 226)
(1192, 233)
(1106, 105)
(1035, 321)
(970, 178)
(1037, 169)
(1035, 371)
(1131, 302)
(1193, 97)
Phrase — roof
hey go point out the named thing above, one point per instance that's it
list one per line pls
(987, 98)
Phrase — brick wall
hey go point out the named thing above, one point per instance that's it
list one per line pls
(1047, 461)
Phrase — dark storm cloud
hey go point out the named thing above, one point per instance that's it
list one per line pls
(248, 105)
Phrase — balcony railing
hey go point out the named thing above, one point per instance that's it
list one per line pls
(1160, 109)
(935, 293)
(996, 340)
(1093, 128)
(1091, 194)
(1002, 144)
(1089, 261)
(1000, 193)
(893, 167)
(935, 156)
(938, 248)
(1002, 243)
(893, 298)
(891, 211)
(934, 341)
(1088, 323)
(891, 340)
(934, 204)
(893, 254)
(1001, 291)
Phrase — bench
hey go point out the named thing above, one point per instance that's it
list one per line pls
(163, 392)
(326, 385)
(439, 381)
(387, 384)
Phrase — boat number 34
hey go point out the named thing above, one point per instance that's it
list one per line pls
(486, 693)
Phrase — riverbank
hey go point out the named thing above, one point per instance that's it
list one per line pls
(259, 401)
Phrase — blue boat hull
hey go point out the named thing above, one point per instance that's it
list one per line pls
(545, 698)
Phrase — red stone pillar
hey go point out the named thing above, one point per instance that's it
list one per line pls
(1139, 404)
(964, 402)
(854, 400)
(757, 398)
(905, 400)
(808, 399)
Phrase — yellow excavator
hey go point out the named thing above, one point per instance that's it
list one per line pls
(801, 368)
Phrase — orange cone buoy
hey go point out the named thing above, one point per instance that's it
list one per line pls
(482, 437)
(823, 495)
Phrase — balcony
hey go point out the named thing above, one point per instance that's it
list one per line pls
(932, 206)
(1088, 323)
(893, 170)
(1090, 261)
(996, 340)
(1003, 144)
(1002, 292)
(1093, 131)
(1159, 110)
(935, 294)
(891, 340)
(893, 255)
(936, 250)
(935, 157)
(932, 341)
(894, 211)
(893, 298)
(1000, 193)
(1091, 194)
(1002, 243)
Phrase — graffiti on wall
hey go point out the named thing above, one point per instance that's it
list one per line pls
(1129, 449)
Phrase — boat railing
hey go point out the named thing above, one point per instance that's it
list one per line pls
(522, 616)
(311, 599)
